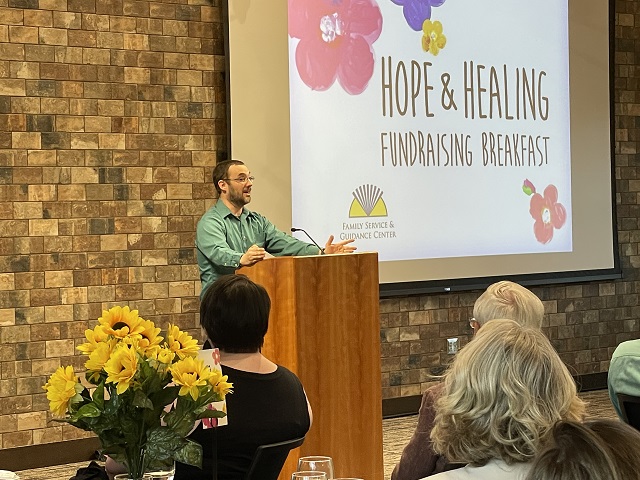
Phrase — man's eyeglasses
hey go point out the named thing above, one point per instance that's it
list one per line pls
(240, 179)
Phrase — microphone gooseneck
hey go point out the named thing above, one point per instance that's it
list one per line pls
(293, 229)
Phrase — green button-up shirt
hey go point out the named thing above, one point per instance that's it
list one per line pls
(222, 238)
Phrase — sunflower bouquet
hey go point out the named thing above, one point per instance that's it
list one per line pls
(145, 391)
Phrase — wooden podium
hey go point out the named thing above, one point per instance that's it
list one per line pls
(325, 327)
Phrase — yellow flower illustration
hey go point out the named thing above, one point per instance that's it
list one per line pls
(121, 322)
(63, 388)
(183, 344)
(190, 373)
(433, 40)
(94, 337)
(122, 367)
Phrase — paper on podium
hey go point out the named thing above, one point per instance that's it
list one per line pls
(211, 358)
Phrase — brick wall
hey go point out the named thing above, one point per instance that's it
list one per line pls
(111, 116)
(585, 322)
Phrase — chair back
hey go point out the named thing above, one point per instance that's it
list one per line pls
(269, 459)
(630, 408)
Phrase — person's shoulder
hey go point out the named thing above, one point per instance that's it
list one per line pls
(630, 348)
(493, 470)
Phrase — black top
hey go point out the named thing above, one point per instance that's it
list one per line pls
(263, 409)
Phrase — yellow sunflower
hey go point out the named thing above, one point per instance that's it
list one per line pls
(150, 335)
(433, 40)
(98, 358)
(94, 337)
(63, 389)
(190, 373)
(183, 344)
(222, 387)
(122, 367)
(121, 322)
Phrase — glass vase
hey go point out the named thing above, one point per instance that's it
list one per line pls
(159, 472)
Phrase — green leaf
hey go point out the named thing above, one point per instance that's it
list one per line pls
(165, 396)
(162, 443)
(190, 453)
(212, 414)
(98, 396)
(141, 400)
(89, 410)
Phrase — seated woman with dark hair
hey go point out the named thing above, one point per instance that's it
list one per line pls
(502, 396)
(268, 404)
(596, 450)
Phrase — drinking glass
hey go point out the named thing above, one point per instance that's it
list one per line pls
(316, 464)
(309, 476)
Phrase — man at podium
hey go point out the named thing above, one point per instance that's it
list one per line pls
(230, 236)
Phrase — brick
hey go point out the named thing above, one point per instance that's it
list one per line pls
(23, 3)
(53, 4)
(59, 348)
(68, 20)
(53, 36)
(42, 157)
(84, 140)
(26, 140)
(39, 18)
(43, 227)
(96, 56)
(11, 16)
(71, 192)
(82, 38)
(110, 40)
(123, 24)
(13, 122)
(110, 7)
(69, 123)
(54, 71)
(135, 41)
(12, 87)
(55, 140)
(20, 34)
(104, 293)
(136, 75)
(15, 334)
(60, 278)
(25, 104)
(68, 54)
(40, 123)
(85, 6)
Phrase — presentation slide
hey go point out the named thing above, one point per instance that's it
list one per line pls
(461, 140)
(439, 126)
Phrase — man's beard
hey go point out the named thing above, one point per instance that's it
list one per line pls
(238, 199)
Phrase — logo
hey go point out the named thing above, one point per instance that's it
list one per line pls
(367, 202)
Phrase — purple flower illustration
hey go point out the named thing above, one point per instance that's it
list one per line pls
(417, 11)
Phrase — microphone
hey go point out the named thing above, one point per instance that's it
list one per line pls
(293, 229)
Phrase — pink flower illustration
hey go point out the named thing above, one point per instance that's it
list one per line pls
(547, 213)
(336, 38)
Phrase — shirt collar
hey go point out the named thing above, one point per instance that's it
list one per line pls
(224, 211)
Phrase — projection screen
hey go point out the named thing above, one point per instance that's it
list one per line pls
(463, 141)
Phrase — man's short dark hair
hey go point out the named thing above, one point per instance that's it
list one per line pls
(235, 314)
(221, 171)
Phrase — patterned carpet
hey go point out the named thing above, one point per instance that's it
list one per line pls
(396, 433)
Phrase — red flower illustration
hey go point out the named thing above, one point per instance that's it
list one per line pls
(547, 213)
(336, 38)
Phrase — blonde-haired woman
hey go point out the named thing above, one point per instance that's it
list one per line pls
(502, 396)
(507, 299)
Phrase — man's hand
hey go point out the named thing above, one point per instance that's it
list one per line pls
(340, 247)
(252, 256)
